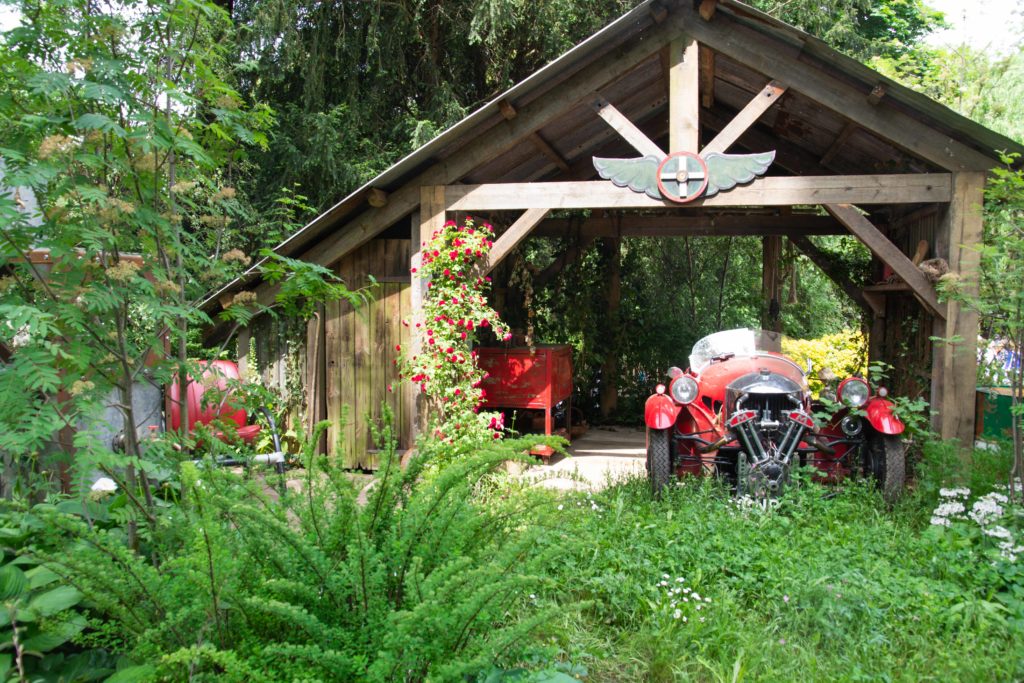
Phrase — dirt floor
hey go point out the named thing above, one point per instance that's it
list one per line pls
(599, 457)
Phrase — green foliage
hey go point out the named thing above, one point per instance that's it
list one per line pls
(411, 580)
(844, 353)
(825, 586)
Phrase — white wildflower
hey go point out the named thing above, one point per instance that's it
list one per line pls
(949, 509)
(560, 506)
(678, 613)
(985, 510)
(940, 521)
(104, 484)
(998, 532)
(955, 493)
(680, 579)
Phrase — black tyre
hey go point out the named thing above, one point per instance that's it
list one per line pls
(659, 459)
(887, 460)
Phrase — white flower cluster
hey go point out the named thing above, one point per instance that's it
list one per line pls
(679, 599)
(987, 509)
(985, 512)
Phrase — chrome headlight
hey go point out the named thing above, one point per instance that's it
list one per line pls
(684, 389)
(854, 392)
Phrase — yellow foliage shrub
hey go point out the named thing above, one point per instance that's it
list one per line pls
(844, 353)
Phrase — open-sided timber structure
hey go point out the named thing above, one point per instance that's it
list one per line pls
(854, 153)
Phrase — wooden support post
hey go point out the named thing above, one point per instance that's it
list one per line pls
(768, 96)
(890, 254)
(961, 229)
(771, 289)
(432, 210)
(243, 353)
(684, 96)
(609, 396)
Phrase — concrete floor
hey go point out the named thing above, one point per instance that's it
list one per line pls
(599, 457)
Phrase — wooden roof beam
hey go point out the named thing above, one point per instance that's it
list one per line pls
(740, 123)
(509, 112)
(770, 191)
(889, 254)
(708, 225)
(758, 52)
(707, 77)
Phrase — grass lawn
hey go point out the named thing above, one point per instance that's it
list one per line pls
(829, 585)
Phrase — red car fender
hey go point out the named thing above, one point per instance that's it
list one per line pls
(660, 411)
(881, 416)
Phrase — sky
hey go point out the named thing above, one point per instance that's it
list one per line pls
(985, 24)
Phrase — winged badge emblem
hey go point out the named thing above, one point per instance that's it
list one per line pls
(684, 176)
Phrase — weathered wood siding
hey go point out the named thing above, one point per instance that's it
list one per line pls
(360, 350)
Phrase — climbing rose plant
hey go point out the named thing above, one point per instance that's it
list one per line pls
(455, 312)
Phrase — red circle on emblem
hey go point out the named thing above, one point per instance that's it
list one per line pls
(683, 199)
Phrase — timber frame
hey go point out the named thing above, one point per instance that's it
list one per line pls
(855, 154)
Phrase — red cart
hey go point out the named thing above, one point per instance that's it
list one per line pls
(517, 378)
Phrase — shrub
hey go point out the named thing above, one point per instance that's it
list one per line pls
(844, 353)
(416, 583)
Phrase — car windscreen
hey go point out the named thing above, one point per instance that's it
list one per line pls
(738, 343)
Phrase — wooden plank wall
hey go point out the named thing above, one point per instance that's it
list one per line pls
(906, 328)
(360, 350)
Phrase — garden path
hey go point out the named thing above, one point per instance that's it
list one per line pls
(599, 457)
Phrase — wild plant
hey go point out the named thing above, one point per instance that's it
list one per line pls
(417, 583)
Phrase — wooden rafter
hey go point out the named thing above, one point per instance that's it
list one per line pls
(889, 254)
(515, 234)
(770, 191)
(740, 123)
(508, 111)
(707, 77)
(624, 127)
(837, 145)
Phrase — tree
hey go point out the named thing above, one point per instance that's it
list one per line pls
(121, 120)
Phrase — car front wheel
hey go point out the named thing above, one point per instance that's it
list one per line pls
(659, 460)
(887, 460)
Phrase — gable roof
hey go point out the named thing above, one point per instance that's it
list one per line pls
(810, 138)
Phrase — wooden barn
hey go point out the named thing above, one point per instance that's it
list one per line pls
(677, 82)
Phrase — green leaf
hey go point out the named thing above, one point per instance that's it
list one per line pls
(143, 672)
(53, 637)
(40, 576)
(101, 93)
(13, 583)
(100, 122)
(5, 666)
(56, 600)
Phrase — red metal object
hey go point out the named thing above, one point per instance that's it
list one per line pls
(660, 412)
(517, 378)
(216, 376)
(881, 416)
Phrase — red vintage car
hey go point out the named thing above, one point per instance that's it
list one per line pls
(743, 411)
